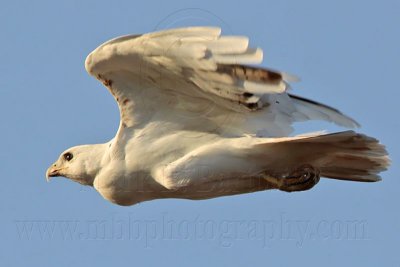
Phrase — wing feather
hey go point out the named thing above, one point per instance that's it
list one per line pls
(148, 73)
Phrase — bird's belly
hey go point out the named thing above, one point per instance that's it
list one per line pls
(142, 187)
(130, 189)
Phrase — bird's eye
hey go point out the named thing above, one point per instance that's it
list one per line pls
(68, 156)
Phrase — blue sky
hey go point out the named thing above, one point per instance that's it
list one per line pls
(347, 54)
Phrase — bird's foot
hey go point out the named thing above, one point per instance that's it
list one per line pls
(303, 178)
(300, 179)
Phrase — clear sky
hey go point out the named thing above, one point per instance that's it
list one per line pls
(347, 54)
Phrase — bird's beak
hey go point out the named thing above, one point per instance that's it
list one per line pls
(52, 171)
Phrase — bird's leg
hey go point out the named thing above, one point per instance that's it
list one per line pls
(300, 179)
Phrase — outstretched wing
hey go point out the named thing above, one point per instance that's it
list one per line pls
(198, 79)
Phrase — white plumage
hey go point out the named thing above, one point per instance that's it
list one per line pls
(198, 121)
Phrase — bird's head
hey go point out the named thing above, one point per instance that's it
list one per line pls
(79, 163)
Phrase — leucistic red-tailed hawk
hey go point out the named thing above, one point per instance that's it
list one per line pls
(199, 120)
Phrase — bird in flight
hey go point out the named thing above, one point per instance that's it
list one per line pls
(199, 119)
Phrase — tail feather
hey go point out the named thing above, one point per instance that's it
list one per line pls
(345, 155)
(356, 157)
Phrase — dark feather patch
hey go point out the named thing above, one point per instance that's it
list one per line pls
(253, 74)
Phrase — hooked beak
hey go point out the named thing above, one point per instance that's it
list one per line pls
(52, 171)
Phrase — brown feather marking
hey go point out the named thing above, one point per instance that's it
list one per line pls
(250, 73)
(107, 82)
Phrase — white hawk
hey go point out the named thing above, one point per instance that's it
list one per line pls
(200, 120)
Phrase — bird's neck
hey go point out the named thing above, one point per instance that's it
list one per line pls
(93, 162)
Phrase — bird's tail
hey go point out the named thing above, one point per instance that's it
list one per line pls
(345, 155)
